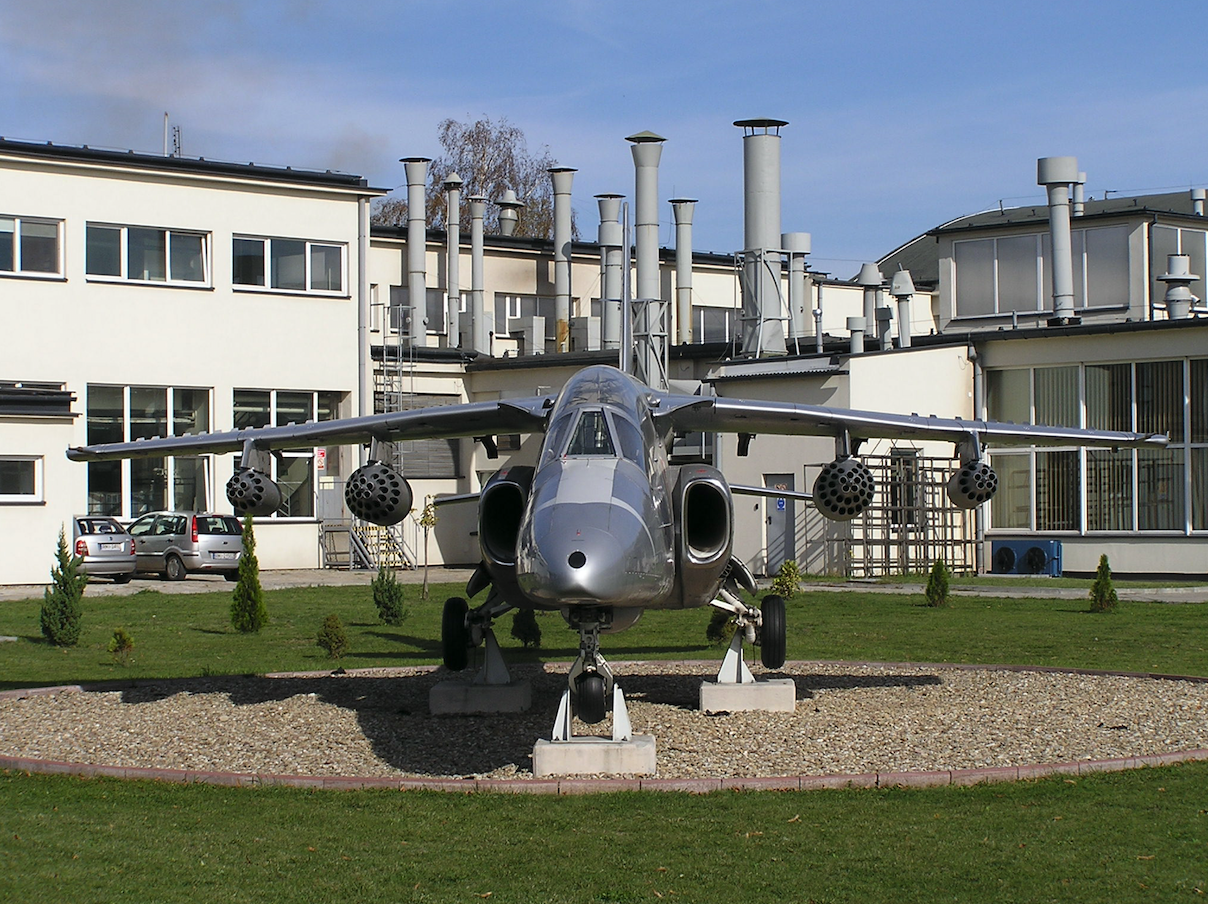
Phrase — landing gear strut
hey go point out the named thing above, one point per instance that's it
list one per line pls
(590, 680)
(463, 629)
(764, 626)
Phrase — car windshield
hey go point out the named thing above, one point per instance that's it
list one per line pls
(591, 435)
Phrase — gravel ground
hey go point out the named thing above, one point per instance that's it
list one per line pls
(849, 719)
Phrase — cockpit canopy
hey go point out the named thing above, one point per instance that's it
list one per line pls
(593, 433)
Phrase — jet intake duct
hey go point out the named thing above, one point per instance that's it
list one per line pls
(972, 485)
(844, 489)
(253, 492)
(377, 494)
(704, 517)
(500, 510)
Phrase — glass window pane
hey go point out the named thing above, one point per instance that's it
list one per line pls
(1107, 266)
(247, 262)
(295, 407)
(288, 262)
(103, 251)
(1109, 486)
(17, 477)
(435, 311)
(8, 228)
(1011, 506)
(1078, 249)
(297, 490)
(1109, 396)
(1017, 265)
(148, 485)
(1191, 243)
(189, 484)
(187, 257)
(39, 247)
(1163, 241)
(148, 412)
(974, 277)
(146, 254)
(1008, 396)
(1160, 398)
(1160, 489)
(1199, 401)
(251, 408)
(326, 268)
(190, 411)
(1199, 489)
(1058, 484)
(104, 487)
(106, 414)
(1057, 396)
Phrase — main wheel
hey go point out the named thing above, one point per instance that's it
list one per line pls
(455, 635)
(174, 568)
(772, 632)
(591, 706)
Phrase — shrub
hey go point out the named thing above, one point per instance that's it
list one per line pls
(388, 597)
(248, 613)
(721, 627)
(525, 628)
(937, 584)
(787, 582)
(121, 645)
(332, 637)
(1103, 591)
(61, 610)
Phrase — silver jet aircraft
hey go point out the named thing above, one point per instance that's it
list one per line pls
(603, 527)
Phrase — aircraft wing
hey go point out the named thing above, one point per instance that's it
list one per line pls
(471, 419)
(724, 415)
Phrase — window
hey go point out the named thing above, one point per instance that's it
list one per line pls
(20, 479)
(428, 457)
(288, 265)
(400, 310)
(30, 246)
(508, 308)
(1167, 240)
(714, 324)
(145, 254)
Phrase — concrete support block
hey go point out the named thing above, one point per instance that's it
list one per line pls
(775, 695)
(595, 756)
(463, 698)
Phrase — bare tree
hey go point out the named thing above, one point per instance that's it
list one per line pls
(490, 156)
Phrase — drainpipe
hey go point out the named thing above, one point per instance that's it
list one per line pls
(417, 247)
(562, 177)
(364, 371)
(1056, 174)
(480, 330)
(683, 208)
(979, 412)
(453, 267)
(611, 260)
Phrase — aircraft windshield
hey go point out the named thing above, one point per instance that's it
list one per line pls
(591, 436)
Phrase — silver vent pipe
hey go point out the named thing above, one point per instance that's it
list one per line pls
(683, 208)
(870, 279)
(1079, 207)
(1178, 277)
(1056, 174)
(647, 149)
(611, 262)
(453, 267)
(856, 326)
(762, 303)
(901, 287)
(1198, 196)
(509, 212)
(797, 245)
(480, 330)
(562, 177)
(417, 248)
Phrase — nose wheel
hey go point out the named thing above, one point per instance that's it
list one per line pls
(591, 701)
(590, 679)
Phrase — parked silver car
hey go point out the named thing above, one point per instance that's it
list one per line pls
(176, 543)
(105, 547)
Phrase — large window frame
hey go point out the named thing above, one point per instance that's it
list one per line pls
(24, 252)
(290, 266)
(147, 255)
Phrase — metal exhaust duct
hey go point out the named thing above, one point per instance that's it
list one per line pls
(562, 177)
(453, 267)
(683, 208)
(417, 248)
(797, 246)
(1178, 278)
(509, 212)
(611, 261)
(871, 280)
(902, 288)
(856, 326)
(1198, 196)
(762, 303)
(647, 149)
(1079, 207)
(1056, 174)
(480, 331)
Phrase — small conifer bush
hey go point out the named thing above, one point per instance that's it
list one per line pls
(332, 637)
(61, 610)
(1103, 591)
(248, 613)
(937, 584)
(121, 645)
(388, 597)
(525, 628)
(788, 579)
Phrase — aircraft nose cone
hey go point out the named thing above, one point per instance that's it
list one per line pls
(587, 564)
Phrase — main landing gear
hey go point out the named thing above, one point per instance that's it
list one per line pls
(462, 629)
(764, 627)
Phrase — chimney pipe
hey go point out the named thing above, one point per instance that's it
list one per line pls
(1197, 201)
(871, 279)
(509, 212)
(1056, 174)
(611, 259)
(417, 248)
(562, 177)
(1178, 278)
(797, 246)
(647, 148)
(453, 267)
(480, 330)
(902, 288)
(856, 326)
(683, 208)
(1079, 195)
(762, 304)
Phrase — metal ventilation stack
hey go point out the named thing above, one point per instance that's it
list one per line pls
(763, 304)
(416, 169)
(1056, 174)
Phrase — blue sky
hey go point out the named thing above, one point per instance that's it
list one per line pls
(901, 115)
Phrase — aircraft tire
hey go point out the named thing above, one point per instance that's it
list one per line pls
(772, 632)
(590, 705)
(454, 635)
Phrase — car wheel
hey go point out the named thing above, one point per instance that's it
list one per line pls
(174, 569)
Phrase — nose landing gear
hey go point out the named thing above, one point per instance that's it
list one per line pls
(590, 683)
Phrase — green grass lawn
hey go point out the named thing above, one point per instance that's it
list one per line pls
(1137, 836)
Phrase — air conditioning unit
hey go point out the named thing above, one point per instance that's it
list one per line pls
(1037, 557)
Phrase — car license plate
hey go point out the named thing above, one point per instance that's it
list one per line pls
(111, 546)
(223, 555)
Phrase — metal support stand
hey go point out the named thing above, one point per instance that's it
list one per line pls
(494, 670)
(736, 689)
(622, 728)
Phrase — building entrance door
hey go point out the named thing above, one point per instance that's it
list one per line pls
(781, 522)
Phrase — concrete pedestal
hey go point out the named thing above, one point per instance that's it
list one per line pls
(594, 756)
(463, 698)
(776, 695)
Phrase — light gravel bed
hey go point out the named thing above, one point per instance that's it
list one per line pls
(849, 719)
